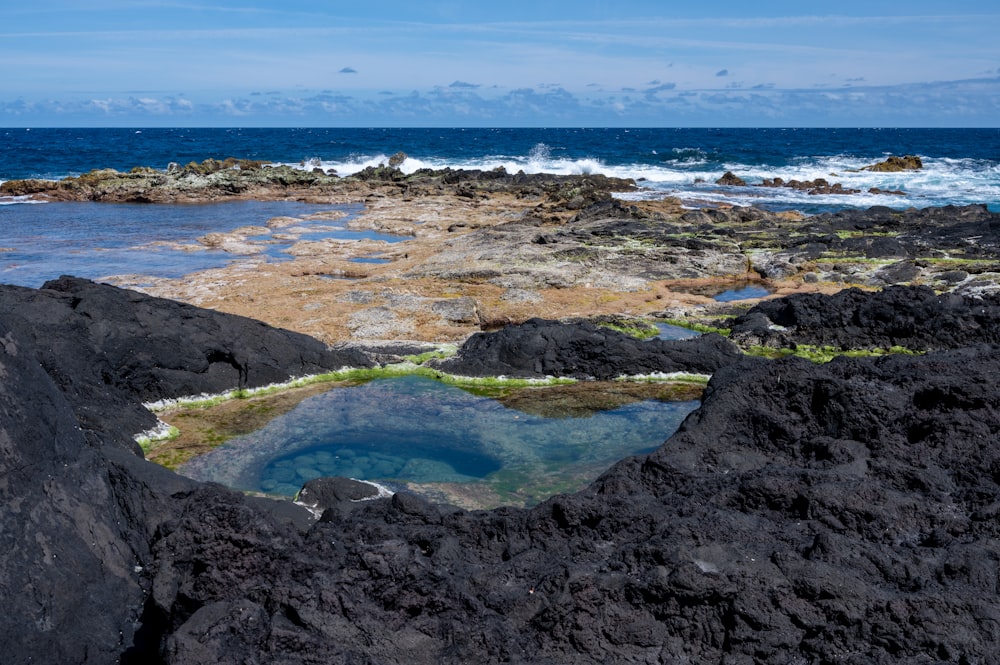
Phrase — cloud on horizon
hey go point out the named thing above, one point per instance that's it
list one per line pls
(972, 102)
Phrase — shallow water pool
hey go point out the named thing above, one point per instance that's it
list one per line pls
(743, 293)
(670, 331)
(96, 240)
(441, 440)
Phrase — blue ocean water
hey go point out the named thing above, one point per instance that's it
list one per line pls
(961, 166)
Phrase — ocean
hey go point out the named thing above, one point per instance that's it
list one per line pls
(960, 166)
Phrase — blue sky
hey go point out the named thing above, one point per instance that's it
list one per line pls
(516, 63)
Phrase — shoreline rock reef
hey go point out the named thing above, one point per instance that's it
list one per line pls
(805, 512)
(485, 249)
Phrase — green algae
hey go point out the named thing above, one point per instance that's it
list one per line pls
(699, 327)
(435, 354)
(848, 235)
(820, 354)
(640, 329)
(148, 440)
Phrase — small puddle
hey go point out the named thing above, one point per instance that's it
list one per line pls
(671, 332)
(279, 251)
(370, 259)
(749, 292)
(450, 444)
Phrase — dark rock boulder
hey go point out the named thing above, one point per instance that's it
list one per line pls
(77, 521)
(814, 187)
(731, 179)
(896, 163)
(81, 509)
(397, 159)
(914, 317)
(110, 350)
(322, 494)
(583, 350)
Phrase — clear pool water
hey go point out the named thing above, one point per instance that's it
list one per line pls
(414, 431)
(670, 331)
(743, 293)
(96, 240)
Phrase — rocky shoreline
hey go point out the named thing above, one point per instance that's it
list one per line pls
(488, 248)
(831, 512)
(838, 512)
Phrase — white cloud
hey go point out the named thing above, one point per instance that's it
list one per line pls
(951, 103)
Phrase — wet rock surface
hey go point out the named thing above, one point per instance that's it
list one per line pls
(897, 163)
(952, 247)
(844, 512)
(627, 247)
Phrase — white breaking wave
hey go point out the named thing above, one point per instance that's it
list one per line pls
(689, 174)
(939, 182)
(16, 200)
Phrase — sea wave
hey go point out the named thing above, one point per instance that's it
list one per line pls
(539, 160)
(691, 173)
(939, 182)
(17, 200)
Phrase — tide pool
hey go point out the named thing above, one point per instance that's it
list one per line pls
(98, 240)
(416, 433)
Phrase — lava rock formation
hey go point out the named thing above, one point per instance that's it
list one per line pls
(845, 512)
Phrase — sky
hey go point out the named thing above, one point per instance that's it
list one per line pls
(538, 63)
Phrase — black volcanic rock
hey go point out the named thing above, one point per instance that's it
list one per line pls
(583, 350)
(110, 350)
(845, 512)
(913, 317)
(77, 521)
(805, 512)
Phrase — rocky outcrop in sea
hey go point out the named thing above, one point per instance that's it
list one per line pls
(214, 180)
(844, 512)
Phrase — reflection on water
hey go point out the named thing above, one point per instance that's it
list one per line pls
(745, 293)
(670, 331)
(370, 259)
(416, 432)
(95, 240)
